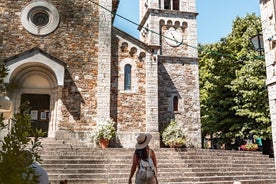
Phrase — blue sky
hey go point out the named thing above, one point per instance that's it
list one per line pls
(214, 21)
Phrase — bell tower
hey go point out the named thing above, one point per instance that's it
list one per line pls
(170, 24)
(170, 27)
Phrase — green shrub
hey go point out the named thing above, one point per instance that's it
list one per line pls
(173, 134)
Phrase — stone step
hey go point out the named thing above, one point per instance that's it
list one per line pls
(108, 179)
(90, 181)
(160, 161)
(123, 174)
(83, 165)
(160, 155)
(112, 156)
(87, 164)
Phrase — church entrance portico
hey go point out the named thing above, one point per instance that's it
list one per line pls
(36, 79)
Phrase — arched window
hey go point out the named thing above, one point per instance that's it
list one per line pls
(127, 77)
(175, 4)
(175, 103)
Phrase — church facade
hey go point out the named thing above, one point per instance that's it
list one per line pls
(76, 69)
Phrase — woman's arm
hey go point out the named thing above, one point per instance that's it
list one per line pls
(153, 157)
(133, 167)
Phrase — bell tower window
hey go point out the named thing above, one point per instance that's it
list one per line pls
(167, 4)
(175, 4)
(171, 4)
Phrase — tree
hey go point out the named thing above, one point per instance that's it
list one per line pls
(228, 102)
(251, 98)
(17, 145)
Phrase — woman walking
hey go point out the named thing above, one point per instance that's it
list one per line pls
(144, 161)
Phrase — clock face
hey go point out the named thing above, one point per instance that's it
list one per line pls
(173, 38)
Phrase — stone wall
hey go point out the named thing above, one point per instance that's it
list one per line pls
(268, 18)
(94, 78)
(135, 109)
(75, 42)
(179, 78)
(128, 106)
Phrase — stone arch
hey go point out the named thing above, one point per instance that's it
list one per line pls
(162, 22)
(133, 51)
(22, 73)
(34, 78)
(169, 23)
(142, 56)
(177, 24)
(184, 25)
(124, 47)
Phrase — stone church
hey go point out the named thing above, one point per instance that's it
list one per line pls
(76, 69)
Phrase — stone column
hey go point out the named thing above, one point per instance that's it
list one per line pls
(162, 4)
(104, 61)
(152, 98)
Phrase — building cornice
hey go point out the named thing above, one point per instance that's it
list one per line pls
(164, 11)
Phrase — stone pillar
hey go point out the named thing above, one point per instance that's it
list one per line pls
(152, 98)
(104, 61)
(162, 5)
(155, 38)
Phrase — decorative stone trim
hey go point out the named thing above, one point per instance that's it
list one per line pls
(40, 18)
(35, 57)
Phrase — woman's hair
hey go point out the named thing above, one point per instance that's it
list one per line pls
(142, 153)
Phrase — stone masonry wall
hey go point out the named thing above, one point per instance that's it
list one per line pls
(74, 42)
(268, 18)
(179, 77)
(129, 106)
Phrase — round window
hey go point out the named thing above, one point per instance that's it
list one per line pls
(40, 18)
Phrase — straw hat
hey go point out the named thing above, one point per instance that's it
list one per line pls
(143, 140)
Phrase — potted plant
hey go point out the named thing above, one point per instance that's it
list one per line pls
(174, 135)
(104, 132)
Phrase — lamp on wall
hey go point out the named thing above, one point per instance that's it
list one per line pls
(258, 43)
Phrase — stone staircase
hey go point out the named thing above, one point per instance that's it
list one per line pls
(83, 165)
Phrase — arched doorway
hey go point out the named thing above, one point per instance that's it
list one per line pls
(37, 85)
(37, 77)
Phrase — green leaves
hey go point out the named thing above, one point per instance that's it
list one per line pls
(105, 130)
(14, 165)
(174, 133)
(233, 94)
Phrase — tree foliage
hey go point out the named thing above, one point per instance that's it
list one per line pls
(233, 95)
(14, 164)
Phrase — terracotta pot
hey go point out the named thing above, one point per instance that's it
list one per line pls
(176, 145)
(104, 143)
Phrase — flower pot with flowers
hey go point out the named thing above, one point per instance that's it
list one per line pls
(174, 135)
(104, 132)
